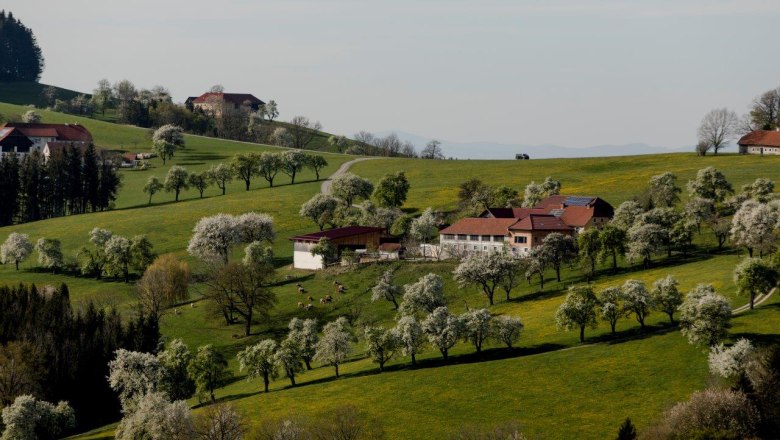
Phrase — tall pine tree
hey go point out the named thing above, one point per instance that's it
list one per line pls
(20, 57)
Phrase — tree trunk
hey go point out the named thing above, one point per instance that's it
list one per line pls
(558, 272)
(752, 298)
(201, 194)
(317, 172)
(489, 297)
(271, 182)
(246, 183)
(266, 381)
(292, 379)
(395, 302)
(671, 317)
(150, 199)
(541, 280)
(612, 325)
(292, 179)
(177, 194)
(213, 399)
(593, 267)
(381, 367)
(337, 370)
(614, 262)
(308, 363)
(248, 325)
(582, 333)
(414, 360)
(444, 353)
(750, 252)
(17, 264)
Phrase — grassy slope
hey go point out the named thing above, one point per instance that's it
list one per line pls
(582, 392)
(31, 93)
(167, 224)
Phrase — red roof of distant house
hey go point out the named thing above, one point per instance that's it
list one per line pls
(536, 222)
(764, 138)
(130, 157)
(63, 132)
(235, 98)
(332, 234)
(480, 226)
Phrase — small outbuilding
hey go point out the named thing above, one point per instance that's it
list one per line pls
(351, 237)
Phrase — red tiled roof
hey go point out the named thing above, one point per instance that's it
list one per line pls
(480, 226)
(63, 132)
(536, 222)
(235, 98)
(764, 138)
(577, 216)
(332, 234)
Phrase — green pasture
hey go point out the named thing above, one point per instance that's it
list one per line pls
(550, 384)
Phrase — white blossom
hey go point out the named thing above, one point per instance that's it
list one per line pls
(729, 362)
(16, 248)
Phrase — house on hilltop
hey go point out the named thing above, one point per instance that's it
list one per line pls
(24, 138)
(760, 142)
(215, 103)
(348, 238)
(521, 229)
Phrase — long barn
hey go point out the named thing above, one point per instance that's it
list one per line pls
(350, 237)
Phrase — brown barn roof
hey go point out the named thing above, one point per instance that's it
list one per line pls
(63, 132)
(764, 138)
(480, 226)
(536, 222)
(235, 98)
(333, 234)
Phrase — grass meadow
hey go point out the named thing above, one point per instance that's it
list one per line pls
(552, 385)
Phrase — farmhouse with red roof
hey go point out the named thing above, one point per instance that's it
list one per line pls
(521, 229)
(23, 138)
(760, 142)
(215, 103)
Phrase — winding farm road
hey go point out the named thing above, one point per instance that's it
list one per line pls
(760, 299)
(325, 189)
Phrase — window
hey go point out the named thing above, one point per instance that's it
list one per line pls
(461, 236)
(520, 239)
(498, 238)
(484, 248)
(476, 247)
(449, 236)
(485, 238)
(474, 237)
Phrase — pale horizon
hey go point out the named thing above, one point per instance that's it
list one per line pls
(575, 74)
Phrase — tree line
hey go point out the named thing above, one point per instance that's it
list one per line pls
(54, 351)
(70, 181)
(244, 166)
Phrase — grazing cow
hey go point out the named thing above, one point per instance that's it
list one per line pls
(308, 306)
(300, 305)
(341, 289)
(301, 290)
(176, 311)
(311, 298)
(192, 305)
(298, 285)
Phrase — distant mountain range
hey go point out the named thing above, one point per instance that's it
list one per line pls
(494, 150)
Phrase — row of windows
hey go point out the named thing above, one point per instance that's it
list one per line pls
(465, 237)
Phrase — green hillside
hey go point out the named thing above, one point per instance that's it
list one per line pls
(31, 93)
(550, 384)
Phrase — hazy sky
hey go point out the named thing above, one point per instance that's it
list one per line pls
(573, 73)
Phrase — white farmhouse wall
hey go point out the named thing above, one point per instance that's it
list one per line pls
(305, 260)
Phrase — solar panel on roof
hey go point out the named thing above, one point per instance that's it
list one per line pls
(577, 201)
